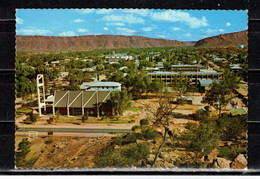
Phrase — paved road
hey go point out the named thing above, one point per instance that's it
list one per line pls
(74, 130)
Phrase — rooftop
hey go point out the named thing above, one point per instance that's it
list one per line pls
(240, 111)
(207, 82)
(100, 83)
(185, 73)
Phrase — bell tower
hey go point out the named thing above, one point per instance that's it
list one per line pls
(40, 93)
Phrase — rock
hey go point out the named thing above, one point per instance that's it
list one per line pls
(222, 163)
(150, 158)
(211, 156)
(240, 162)
(168, 165)
(139, 141)
(116, 147)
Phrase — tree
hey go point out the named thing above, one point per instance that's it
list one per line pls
(220, 93)
(157, 86)
(85, 117)
(120, 100)
(181, 83)
(162, 118)
(203, 138)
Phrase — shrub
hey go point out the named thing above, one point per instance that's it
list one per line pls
(116, 141)
(23, 150)
(122, 157)
(144, 122)
(149, 133)
(190, 125)
(135, 127)
(232, 127)
(50, 140)
(132, 137)
(232, 152)
(203, 138)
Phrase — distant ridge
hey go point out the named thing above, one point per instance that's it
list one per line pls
(225, 40)
(89, 42)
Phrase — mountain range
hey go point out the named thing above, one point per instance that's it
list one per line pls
(43, 44)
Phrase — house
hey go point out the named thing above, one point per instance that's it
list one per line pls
(185, 99)
(77, 103)
(186, 67)
(204, 85)
(101, 86)
(238, 112)
(235, 67)
(63, 74)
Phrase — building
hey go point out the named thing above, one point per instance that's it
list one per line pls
(101, 86)
(169, 77)
(238, 112)
(235, 67)
(205, 84)
(77, 103)
(63, 74)
(187, 67)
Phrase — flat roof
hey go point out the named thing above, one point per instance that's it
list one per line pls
(188, 65)
(100, 83)
(186, 73)
(207, 82)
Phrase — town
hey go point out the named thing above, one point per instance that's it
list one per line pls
(173, 91)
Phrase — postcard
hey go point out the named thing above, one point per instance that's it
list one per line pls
(131, 89)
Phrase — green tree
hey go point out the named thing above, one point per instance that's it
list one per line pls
(180, 85)
(120, 100)
(220, 93)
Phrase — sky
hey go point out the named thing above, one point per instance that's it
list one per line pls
(183, 25)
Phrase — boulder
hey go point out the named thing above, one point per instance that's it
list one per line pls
(222, 163)
(240, 162)
(150, 158)
(211, 156)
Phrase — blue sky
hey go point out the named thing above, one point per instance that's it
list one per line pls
(183, 25)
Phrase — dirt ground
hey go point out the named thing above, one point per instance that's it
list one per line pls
(64, 151)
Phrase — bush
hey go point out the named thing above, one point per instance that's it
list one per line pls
(135, 127)
(50, 140)
(116, 141)
(232, 152)
(149, 133)
(122, 157)
(144, 122)
(132, 137)
(23, 150)
(203, 138)
(232, 127)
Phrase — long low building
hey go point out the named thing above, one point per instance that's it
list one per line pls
(169, 77)
(101, 86)
(77, 103)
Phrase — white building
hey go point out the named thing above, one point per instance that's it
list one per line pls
(101, 86)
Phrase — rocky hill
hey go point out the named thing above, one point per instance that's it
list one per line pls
(225, 40)
(90, 42)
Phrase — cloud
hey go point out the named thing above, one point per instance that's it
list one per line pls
(161, 36)
(78, 20)
(19, 20)
(85, 11)
(33, 32)
(228, 24)
(210, 32)
(141, 12)
(131, 19)
(115, 24)
(147, 29)
(82, 30)
(176, 28)
(104, 11)
(105, 28)
(178, 16)
(66, 33)
(187, 35)
(126, 31)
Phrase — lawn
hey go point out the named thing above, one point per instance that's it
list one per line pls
(135, 109)
(21, 112)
